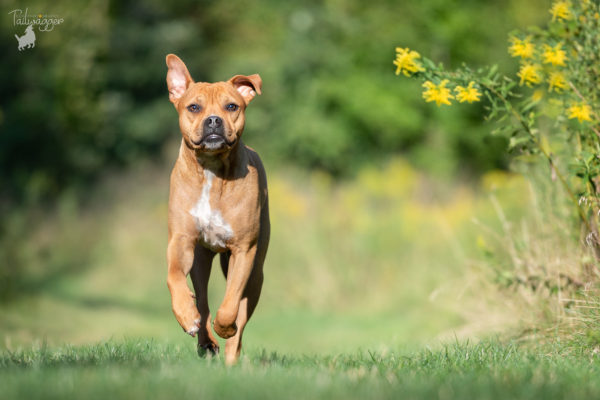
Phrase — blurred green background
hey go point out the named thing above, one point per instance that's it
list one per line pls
(373, 191)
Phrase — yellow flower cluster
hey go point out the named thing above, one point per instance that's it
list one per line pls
(530, 74)
(557, 81)
(533, 65)
(406, 61)
(438, 93)
(580, 111)
(442, 94)
(468, 94)
(554, 55)
(542, 58)
(561, 10)
(521, 47)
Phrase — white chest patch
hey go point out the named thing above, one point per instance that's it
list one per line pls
(214, 231)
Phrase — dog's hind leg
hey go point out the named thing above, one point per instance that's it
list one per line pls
(200, 273)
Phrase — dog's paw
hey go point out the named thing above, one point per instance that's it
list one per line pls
(194, 329)
(225, 331)
(209, 349)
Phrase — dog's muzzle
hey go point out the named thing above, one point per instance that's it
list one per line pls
(213, 133)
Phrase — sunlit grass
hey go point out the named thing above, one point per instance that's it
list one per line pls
(368, 280)
(149, 369)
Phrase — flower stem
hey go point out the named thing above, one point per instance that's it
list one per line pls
(548, 156)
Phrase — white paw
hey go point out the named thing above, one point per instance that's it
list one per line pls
(193, 330)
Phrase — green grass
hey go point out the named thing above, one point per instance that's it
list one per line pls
(141, 369)
(363, 282)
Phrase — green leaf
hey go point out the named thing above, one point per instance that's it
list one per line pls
(517, 141)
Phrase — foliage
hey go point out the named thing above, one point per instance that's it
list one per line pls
(91, 95)
(538, 260)
(90, 98)
(549, 110)
(547, 113)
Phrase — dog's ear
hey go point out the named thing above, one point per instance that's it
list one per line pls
(178, 78)
(248, 86)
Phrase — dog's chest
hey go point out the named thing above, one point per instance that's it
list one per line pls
(214, 231)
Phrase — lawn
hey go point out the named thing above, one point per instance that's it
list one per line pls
(143, 369)
(367, 281)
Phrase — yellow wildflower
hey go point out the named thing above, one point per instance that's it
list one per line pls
(406, 61)
(521, 48)
(554, 55)
(438, 93)
(530, 74)
(580, 111)
(561, 10)
(557, 82)
(469, 93)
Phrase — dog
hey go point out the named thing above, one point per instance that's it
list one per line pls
(27, 40)
(218, 203)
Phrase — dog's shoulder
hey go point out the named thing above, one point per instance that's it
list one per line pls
(255, 161)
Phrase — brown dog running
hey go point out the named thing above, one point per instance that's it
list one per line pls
(217, 204)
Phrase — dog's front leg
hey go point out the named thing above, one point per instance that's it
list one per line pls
(180, 257)
(240, 267)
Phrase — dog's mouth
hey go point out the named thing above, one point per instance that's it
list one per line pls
(213, 139)
(212, 142)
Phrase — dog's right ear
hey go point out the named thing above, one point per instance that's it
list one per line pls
(178, 78)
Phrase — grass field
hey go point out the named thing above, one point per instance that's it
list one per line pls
(381, 260)
(140, 369)
(367, 281)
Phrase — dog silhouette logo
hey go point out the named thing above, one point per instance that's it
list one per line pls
(27, 40)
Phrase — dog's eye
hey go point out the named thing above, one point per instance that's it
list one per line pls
(232, 107)
(193, 108)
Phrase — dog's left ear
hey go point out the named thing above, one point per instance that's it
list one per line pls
(248, 86)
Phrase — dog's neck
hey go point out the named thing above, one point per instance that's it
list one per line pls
(223, 164)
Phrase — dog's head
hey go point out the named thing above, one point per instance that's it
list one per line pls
(211, 115)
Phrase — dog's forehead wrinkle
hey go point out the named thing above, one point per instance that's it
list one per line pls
(227, 98)
(199, 98)
(219, 93)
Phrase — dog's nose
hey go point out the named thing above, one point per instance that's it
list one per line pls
(213, 122)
